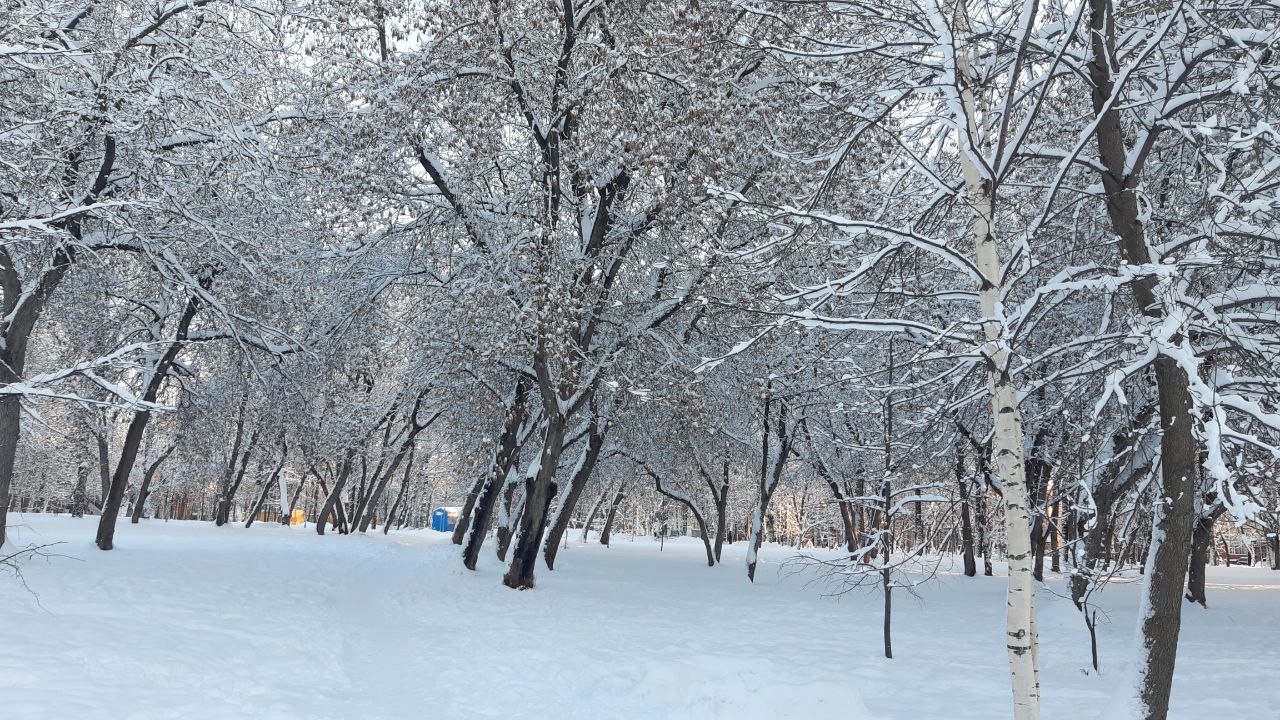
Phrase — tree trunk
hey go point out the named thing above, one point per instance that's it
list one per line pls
(771, 467)
(464, 519)
(1169, 554)
(537, 499)
(271, 482)
(10, 428)
(230, 481)
(366, 510)
(332, 502)
(393, 513)
(1095, 539)
(610, 517)
(564, 511)
(145, 488)
(722, 506)
(688, 504)
(138, 425)
(479, 529)
(82, 488)
(1201, 538)
(498, 481)
(104, 467)
(966, 530)
(510, 519)
(1008, 436)
(371, 505)
(1055, 529)
(595, 510)
(887, 589)
(120, 480)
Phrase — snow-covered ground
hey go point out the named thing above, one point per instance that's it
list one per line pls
(184, 620)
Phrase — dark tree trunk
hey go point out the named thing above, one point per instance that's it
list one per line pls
(684, 501)
(498, 482)
(272, 481)
(138, 426)
(984, 529)
(1055, 529)
(333, 500)
(1169, 556)
(538, 494)
(770, 476)
(595, 510)
(1036, 472)
(610, 517)
(966, 530)
(982, 467)
(1201, 540)
(464, 519)
(1094, 542)
(226, 503)
(230, 479)
(722, 506)
(78, 496)
(595, 441)
(393, 513)
(479, 529)
(104, 467)
(369, 508)
(145, 488)
(513, 514)
(120, 480)
(1172, 525)
(887, 588)
(10, 420)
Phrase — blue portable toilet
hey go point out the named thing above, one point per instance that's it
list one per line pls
(445, 519)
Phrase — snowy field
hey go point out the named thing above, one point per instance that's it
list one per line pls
(184, 620)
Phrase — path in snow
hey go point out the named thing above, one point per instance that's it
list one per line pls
(184, 620)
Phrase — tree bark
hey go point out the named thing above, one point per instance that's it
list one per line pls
(333, 500)
(722, 506)
(687, 503)
(538, 493)
(369, 507)
(393, 513)
(104, 466)
(138, 425)
(230, 480)
(610, 517)
(10, 428)
(771, 467)
(511, 519)
(271, 482)
(1008, 436)
(1201, 537)
(1169, 554)
(464, 519)
(498, 479)
(82, 488)
(966, 530)
(595, 442)
(595, 510)
(145, 488)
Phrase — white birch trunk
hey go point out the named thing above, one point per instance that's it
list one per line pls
(1007, 443)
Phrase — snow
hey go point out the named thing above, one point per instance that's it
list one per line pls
(187, 620)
